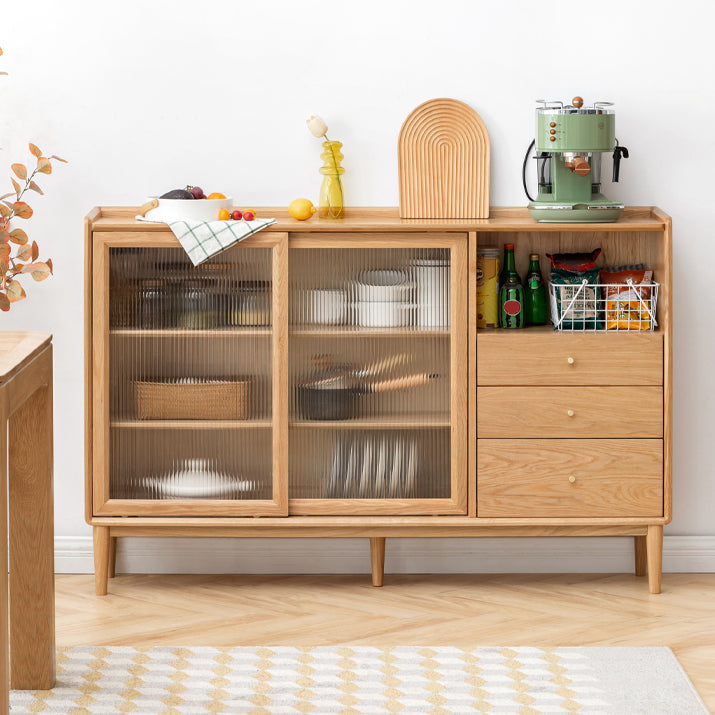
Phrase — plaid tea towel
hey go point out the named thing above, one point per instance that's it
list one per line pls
(203, 239)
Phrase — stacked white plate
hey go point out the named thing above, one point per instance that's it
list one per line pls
(384, 299)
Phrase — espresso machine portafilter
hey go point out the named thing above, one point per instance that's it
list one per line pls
(570, 140)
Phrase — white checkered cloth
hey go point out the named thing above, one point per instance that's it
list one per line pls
(203, 239)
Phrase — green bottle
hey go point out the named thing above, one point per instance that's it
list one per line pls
(536, 303)
(511, 293)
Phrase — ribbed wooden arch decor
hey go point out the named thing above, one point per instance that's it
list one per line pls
(443, 154)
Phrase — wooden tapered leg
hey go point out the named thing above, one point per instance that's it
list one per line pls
(31, 553)
(101, 559)
(639, 543)
(655, 557)
(112, 561)
(377, 557)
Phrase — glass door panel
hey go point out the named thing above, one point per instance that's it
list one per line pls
(193, 413)
(378, 376)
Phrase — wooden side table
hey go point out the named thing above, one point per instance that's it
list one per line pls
(26, 488)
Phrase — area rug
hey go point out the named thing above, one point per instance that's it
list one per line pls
(439, 680)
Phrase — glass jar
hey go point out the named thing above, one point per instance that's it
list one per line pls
(252, 306)
(152, 304)
(121, 303)
(197, 309)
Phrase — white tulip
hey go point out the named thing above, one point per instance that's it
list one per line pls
(317, 127)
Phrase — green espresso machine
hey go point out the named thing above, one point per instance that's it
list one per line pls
(570, 140)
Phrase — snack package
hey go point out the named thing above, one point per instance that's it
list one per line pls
(575, 304)
(627, 295)
(575, 262)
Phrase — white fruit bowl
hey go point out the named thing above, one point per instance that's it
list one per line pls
(168, 210)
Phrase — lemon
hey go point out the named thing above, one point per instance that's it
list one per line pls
(301, 209)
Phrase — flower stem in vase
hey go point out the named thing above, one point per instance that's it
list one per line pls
(331, 201)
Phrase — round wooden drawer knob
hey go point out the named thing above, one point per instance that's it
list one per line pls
(570, 360)
(572, 479)
(570, 413)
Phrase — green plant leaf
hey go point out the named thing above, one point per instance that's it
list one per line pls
(21, 209)
(4, 302)
(44, 166)
(15, 291)
(20, 171)
(35, 150)
(17, 235)
(35, 187)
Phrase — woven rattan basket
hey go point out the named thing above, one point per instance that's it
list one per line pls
(219, 399)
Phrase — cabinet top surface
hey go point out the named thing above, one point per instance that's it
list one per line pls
(387, 219)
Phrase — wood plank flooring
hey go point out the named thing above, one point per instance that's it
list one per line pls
(459, 610)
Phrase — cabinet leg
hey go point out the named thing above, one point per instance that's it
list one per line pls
(101, 559)
(655, 557)
(377, 557)
(112, 561)
(639, 543)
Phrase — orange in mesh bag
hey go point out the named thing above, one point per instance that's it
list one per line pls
(627, 297)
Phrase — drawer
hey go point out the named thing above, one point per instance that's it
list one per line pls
(570, 412)
(569, 478)
(520, 357)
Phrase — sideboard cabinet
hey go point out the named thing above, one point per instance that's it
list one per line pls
(326, 378)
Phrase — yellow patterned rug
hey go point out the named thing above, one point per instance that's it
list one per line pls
(361, 679)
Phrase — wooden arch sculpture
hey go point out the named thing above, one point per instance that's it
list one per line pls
(443, 154)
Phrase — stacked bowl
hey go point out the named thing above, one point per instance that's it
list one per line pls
(384, 299)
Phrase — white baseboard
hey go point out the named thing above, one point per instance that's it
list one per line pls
(681, 554)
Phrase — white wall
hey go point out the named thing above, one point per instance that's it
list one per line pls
(143, 97)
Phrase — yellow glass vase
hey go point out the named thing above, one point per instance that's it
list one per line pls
(330, 204)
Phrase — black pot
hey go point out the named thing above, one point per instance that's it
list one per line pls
(338, 403)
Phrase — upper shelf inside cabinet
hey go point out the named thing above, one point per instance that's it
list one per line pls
(635, 218)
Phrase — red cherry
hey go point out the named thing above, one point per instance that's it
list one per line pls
(249, 215)
(236, 215)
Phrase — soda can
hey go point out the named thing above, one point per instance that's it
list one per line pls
(487, 287)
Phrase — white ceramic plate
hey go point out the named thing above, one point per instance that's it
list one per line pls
(380, 491)
(200, 486)
(411, 471)
(364, 491)
(395, 479)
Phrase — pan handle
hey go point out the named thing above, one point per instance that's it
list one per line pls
(141, 211)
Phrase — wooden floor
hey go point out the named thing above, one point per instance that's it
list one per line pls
(459, 610)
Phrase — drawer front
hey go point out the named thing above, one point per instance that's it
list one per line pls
(552, 358)
(549, 412)
(569, 478)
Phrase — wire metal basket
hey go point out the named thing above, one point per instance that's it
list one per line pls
(584, 306)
